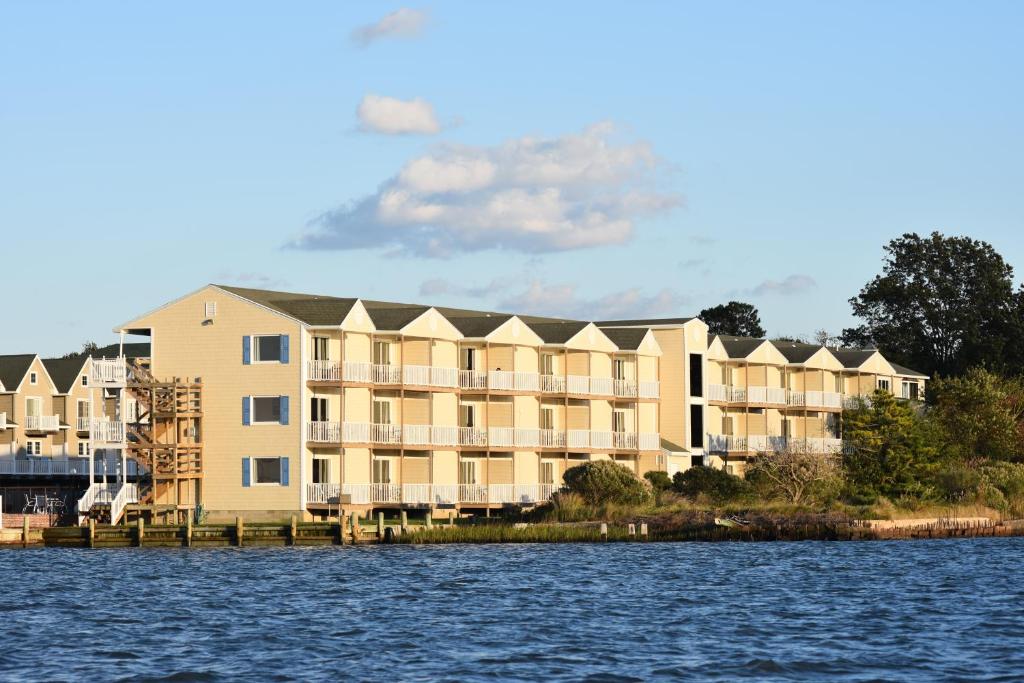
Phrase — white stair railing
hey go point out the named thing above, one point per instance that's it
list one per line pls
(128, 493)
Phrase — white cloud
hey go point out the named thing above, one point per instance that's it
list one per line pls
(563, 300)
(392, 116)
(527, 194)
(440, 286)
(402, 23)
(792, 284)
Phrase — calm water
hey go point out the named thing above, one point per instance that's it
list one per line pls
(929, 610)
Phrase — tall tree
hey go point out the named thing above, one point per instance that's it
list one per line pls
(941, 305)
(734, 318)
(88, 348)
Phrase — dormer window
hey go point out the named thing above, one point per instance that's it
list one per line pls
(85, 380)
(33, 378)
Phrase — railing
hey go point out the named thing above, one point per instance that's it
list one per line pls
(352, 371)
(552, 438)
(577, 384)
(323, 432)
(430, 376)
(527, 437)
(106, 431)
(502, 437)
(417, 375)
(600, 439)
(578, 438)
(431, 494)
(648, 389)
(830, 399)
(444, 435)
(601, 386)
(108, 371)
(3, 421)
(385, 374)
(472, 436)
(82, 424)
(97, 493)
(45, 467)
(767, 395)
(718, 392)
(323, 494)
(625, 440)
(128, 493)
(796, 398)
(472, 379)
(552, 384)
(473, 493)
(506, 380)
(760, 443)
(355, 432)
(385, 434)
(385, 493)
(41, 423)
(323, 371)
(856, 401)
(723, 443)
(625, 388)
(416, 435)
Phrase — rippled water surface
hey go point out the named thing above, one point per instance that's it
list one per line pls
(928, 610)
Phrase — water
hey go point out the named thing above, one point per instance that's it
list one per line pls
(926, 610)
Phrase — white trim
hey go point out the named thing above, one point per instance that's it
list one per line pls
(53, 385)
(252, 349)
(252, 411)
(302, 396)
(252, 470)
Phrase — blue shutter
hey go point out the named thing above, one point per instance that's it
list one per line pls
(284, 471)
(246, 407)
(246, 350)
(284, 410)
(284, 348)
(246, 474)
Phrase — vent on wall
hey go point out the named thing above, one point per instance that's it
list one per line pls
(211, 309)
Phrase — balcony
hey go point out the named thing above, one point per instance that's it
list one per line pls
(430, 494)
(106, 432)
(552, 438)
(472, 436)
(760, 443)
(323, 371)
(385, 374)
(108, 372)
(815, 399)
(472, 380)
(48, 467)
(430, 435)
(42, 423)
(82, 424)
(323, 432)
(552, 384)
(505, 380)
(430, 376)
(3, 421)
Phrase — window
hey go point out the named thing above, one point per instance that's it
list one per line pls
(267, 348)
(85, 380)
(619, 369)
(547, 473)
(83, 448)
(210, 309)
(381, 353)
(266, 409)
(547, 364)
(883, 384)
(696, 374)
(467, 472)
(33, 378)
(33, 406)
(619, 421)
(381, 412)
(839, 384)
(319, 349)
(266, 470)
(468, 415)
(317, 409)
(321, 470)
(33, 447)
(381, 471)
(696, 426)
(727, 425)
(910, 390)
(787, 428)
(469, 359)
(547, 418)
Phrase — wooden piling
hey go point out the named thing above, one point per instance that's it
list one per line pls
(643, 530)
(341, 529)
(92, 532)
(140, 531)
(293, 532)
(380, 526)
(24, 531)
(451, 518)
(239, 530)
(429, 520)
(604, 531)
(188, 530)
(354, 519)
(632, 529)
(405, 521)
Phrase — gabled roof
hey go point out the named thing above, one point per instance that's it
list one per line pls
(853, 358)
(797, 352)
(557, 332)
(626, 338)
(65, 371)
(132, 350)
(391, 317)
(643, 322)
(740, 347)
(312, 309)
(13, 369)
(474, 324)
(906, 372)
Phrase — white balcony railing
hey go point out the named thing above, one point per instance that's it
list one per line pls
(385, 493)
(600, 439)
(106, 432)
(472, 436)
(444, 435)
(473, 493)
(44, 467)
(552, 438)
(96, 493)
(624, 388)
(625, 440)
(578, 438)
(126, 495)
(385, 374)
(472, 379)
(506, 380)
(355, 432)
(108, 372)
(577, 384)
(526, 437)
(431, 494)
(41, 423)
(386, 434)
(760, 443)
(648, 389)
(718, 392)
(82, 424)
(602, 386)
(552, 384)
(352, 371)
(501, 437)
(416, 435)
(3, 421)
(323, 371)
(323, 432)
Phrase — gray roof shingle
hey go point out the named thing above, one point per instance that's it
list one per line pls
(64, 371)
(13, 369)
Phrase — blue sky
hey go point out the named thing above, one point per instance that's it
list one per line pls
(630, 158)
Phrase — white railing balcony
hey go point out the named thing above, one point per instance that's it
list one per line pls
(648, 389)
(106, 432)
(501, 437)
(385, 493)
(723, 443)
(385, 434)
(796, 398)
(602, 386)
(108, 372)
(353, 371)
(444, 494)
(625, 440)
(416, 435)
(41, 423)
(360, 493)
(416, 375)
(3, 421)
(775, 396)
(552, 438)
(444, 377)
(96, 493)
(472, 379)
(126, 495)
(323, 494)
(851, 401)
(472, 436)
(831, 399)
(578, 438)
(323, 371)
(649, 441)
(600, 439)
(577, 384)
(814, 398)
(82, 424)
(355, 432)
(527, 437)
(417, 494)
(444, 435)
(718, 392)
(323, 432)
(552, 384)
(625, 388)
(506, 380)
(473, 493)
(42, 467)
(385, 374)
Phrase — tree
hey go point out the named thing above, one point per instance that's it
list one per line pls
(797, 474)
(980, 415)
(734, 318)
(604, 481)
(88, 348)
(890, 448)
(718, 485)
(941, 305)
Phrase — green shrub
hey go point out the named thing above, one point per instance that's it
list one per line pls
(604, 481)
(659, 480)
(718, 485)
(957, 484)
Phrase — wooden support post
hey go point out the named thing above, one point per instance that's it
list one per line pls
(451, 518)
(632, 529)
(380, 526)
(429, 521)
(239, 530)
(341, 527)
(405, 521)
(188, 529)
(24, 531)
(140, 533)
(354, 519)
(643, 530)
(293, 532)
(604, 531)
(92, 532)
